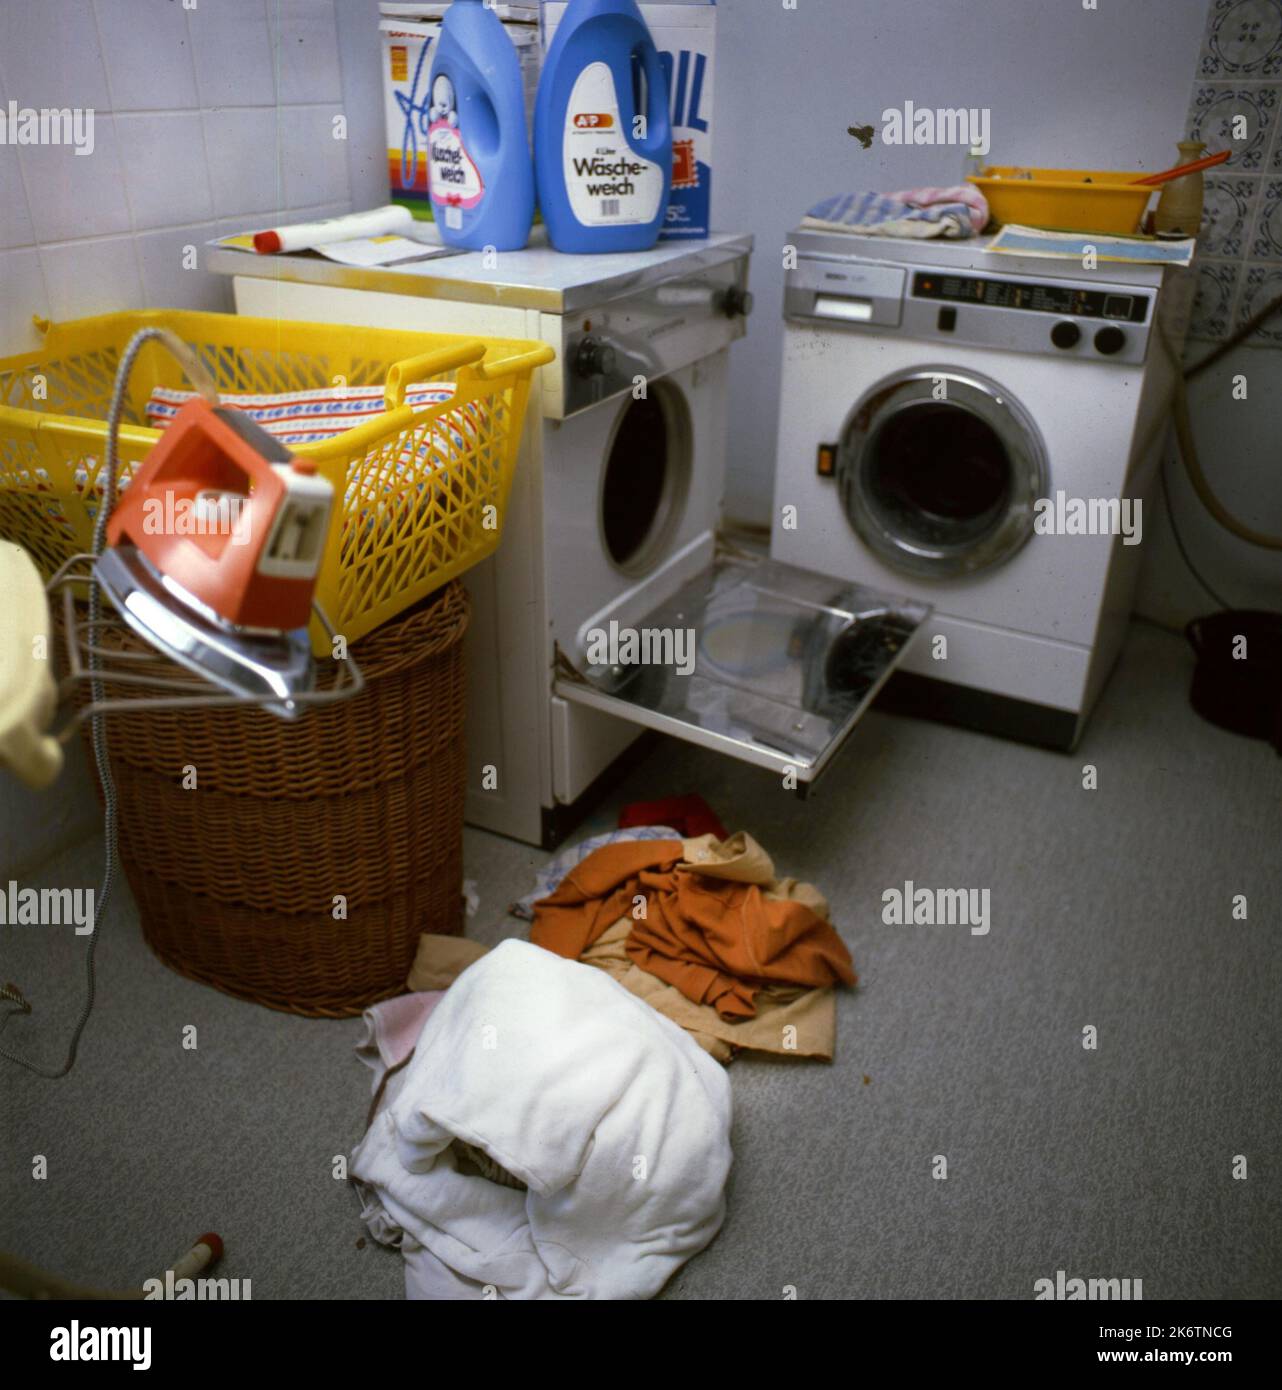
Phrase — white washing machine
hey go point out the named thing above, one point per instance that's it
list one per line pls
(932, 393)
(613, 521)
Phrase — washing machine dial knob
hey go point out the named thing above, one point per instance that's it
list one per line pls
(1066, 334)
(1110, 340)
(736, 302)
(593, 358)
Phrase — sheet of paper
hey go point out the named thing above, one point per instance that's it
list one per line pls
(380, 250)
(1033, 241)
(361, 251)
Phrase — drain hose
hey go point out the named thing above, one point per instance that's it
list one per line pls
(1184, 432)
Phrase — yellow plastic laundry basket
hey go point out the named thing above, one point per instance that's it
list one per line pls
(421, 492)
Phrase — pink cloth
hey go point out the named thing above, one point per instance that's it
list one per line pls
(958, 193)
(392, 1030)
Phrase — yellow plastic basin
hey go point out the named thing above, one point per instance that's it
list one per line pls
(1065, 200)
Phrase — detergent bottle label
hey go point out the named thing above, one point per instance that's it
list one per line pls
(454, 180)
(608, 183)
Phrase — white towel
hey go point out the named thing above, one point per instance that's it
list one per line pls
(615, 1119)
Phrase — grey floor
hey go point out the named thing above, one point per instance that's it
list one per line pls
(1110, 908)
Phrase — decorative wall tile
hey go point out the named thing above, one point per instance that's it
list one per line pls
(1261, 284)
(1266, 243)
(1213, 119)
(1243, 40)
(1228, 204)
(1215, 300)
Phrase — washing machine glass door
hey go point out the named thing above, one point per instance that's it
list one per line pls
(771, 664)
(938, 471)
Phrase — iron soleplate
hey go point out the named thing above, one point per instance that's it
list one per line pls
(269, 669)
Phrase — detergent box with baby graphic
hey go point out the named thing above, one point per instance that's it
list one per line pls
(409, 35)
(685, 35)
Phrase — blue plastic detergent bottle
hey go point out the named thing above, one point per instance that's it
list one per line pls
(480, 176)
(603, 175)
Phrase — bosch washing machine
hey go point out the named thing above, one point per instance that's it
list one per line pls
(933, 393)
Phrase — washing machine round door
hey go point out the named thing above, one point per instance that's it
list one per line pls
(939, 469)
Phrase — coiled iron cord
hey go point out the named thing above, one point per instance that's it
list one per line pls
(201, 379)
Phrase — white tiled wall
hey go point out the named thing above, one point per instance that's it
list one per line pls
(210, 117)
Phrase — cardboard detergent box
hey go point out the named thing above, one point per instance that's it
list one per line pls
(685, 35)
(408, 33)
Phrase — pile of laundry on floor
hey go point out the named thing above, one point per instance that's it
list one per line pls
(550, 1119)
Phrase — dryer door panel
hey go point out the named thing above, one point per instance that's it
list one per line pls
(771, 664)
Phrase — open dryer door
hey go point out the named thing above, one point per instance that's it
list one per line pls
(771, 664)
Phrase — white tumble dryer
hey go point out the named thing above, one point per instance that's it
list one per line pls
(612, 528)
(933, 394)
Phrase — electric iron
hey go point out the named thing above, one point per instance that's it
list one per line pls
(211, 557)
(213, 551)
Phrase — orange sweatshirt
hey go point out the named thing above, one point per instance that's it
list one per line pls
(714, 939)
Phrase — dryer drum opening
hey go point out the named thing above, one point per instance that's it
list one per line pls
(646, 475)
(938, 472)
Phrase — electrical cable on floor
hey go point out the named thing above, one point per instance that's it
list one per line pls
(201, 379)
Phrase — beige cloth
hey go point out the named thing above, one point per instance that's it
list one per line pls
(791, 1021)
(440, 960)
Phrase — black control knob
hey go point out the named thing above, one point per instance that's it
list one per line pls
(1110, 340)
(1066, 334)
(736, 302)
(593, 358)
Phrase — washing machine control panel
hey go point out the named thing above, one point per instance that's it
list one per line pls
(1082, 320)
(1036, 297)
(1070, 319)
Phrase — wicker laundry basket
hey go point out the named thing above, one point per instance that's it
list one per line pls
(237, 877)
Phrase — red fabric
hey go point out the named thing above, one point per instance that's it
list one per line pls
(691, 815)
